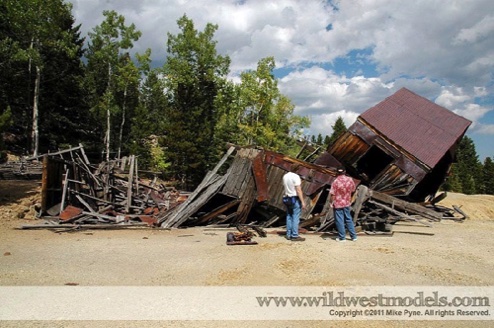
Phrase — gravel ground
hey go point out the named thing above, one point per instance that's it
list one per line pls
(447, 254)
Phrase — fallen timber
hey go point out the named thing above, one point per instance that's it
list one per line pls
(253, 179)
(78, 195)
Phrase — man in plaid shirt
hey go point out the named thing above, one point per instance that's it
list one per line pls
(340, 199)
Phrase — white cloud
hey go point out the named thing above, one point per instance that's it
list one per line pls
(451, 97)
(324, 123)
(450, 41)
(442, 50)
(479, 31)
(473, 112)
(486, 129)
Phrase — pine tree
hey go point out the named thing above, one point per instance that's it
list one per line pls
(194, 73)
(327, 141)
(452, 182)
(148, 124)
(469, 167)
(64, 116)
(40, 53)
(107, 75)
(339, 128)
(319, 140)
(488, 175)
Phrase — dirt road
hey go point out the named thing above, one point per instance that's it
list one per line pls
(447, 254)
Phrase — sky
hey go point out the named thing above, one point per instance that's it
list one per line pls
(339, 58)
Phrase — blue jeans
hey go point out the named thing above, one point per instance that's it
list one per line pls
(293, 219)
(343, 218)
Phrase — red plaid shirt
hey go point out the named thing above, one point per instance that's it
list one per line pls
(342, 189)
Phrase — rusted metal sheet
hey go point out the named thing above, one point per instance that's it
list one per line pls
(365, 132)
(412, 122)
(70, 212)
(260, 177)
(149, 219)
(401, 146)
(315, 176)
(411, 168)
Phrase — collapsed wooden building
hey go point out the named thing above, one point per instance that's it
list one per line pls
(399, 152)
(404, 146)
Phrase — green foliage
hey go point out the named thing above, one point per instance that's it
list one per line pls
(339, 128)
(177, 118)
(469, 167)
(38, 36)
(5, 122)
(147, 123)
(467, 174)
(158, 158)
(194, 74)
(112, 95)
(5, 119)
(319, 140)
(488, 176)
(327, 141)
(453, 182)
(264, 116)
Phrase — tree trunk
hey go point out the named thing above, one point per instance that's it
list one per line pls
(107, 138)
(35, 130)
(108, 115)
(120, 136)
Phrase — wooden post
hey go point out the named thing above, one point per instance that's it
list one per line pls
(129, 187)
(44, 185)
(64, 191)
(361, 197)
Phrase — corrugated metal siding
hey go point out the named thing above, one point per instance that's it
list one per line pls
(421, 127)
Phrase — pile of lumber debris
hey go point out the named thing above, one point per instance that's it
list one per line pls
(111, 195)
(21, 170)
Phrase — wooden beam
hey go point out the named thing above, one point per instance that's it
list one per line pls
(405, 206)
(398, 213)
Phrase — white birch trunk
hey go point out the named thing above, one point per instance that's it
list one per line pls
(120, 136)
(35, 129)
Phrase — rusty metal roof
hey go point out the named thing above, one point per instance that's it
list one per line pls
(416, 124)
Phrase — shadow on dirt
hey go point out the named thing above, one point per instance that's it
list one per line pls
(12, 191)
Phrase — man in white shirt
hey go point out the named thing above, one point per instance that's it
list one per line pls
(294, 204)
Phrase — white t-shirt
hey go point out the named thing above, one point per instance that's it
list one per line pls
(290, 181)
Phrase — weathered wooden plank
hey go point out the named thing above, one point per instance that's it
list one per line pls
(201, 200)
(64, 191)
(129, 186)
(217, 211)
(169, 218)
(69, 150)
(260, 177)
(362, 195)
(247, 200)
(398, 213)
(405, 206)
(83, 202)
(85, 226)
